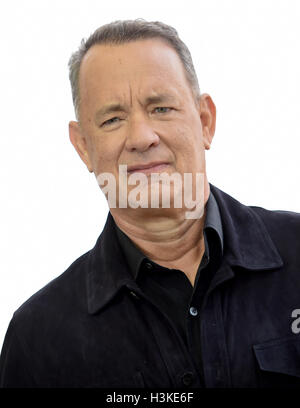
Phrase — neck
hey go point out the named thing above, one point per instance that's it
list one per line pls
(173, 242)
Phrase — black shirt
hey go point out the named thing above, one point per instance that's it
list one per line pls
(170, 289)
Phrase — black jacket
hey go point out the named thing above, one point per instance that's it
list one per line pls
(93, 327)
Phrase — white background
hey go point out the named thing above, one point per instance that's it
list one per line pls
(246, 54)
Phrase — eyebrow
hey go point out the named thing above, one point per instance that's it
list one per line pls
(117, 107)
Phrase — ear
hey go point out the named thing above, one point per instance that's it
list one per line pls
(79, 142)
(208, 119)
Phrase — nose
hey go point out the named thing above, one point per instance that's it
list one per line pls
(141, 135)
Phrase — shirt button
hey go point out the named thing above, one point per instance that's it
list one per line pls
(148, 265)
(187, 378)
(134, 295)
(193, 311)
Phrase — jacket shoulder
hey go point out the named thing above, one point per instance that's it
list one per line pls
(36, 324)
(284, 229)
(61, 293)
(288, 219)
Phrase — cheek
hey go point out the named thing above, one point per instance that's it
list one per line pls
(187, 138)
(105, 155)
(187, 145)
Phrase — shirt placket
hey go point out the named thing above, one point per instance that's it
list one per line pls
(207, 335)
(178, 362)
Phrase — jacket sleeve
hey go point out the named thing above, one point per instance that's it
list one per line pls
(14, 366)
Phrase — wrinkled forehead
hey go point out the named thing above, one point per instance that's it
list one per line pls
(139, 67)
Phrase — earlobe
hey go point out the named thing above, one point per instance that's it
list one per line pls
(207, 138)
(208, 119)
(79, 143)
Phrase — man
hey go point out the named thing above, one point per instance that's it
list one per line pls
(162, 300)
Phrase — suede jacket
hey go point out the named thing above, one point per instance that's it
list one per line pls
(92, 326)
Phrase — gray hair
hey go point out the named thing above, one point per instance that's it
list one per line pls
(124, 31)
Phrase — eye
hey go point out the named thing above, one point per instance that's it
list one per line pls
(162, 109)
(110, 121)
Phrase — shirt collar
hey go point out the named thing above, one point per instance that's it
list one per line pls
(135, 257)
(247, 244)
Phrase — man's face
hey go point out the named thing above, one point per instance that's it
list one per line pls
(137, 108)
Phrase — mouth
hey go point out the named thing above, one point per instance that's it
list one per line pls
(148, 168)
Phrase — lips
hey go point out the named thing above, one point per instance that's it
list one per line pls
(148, 167)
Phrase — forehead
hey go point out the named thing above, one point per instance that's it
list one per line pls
(141, 67)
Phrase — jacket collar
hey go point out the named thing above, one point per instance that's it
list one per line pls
(107, 270)
(247, 244)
